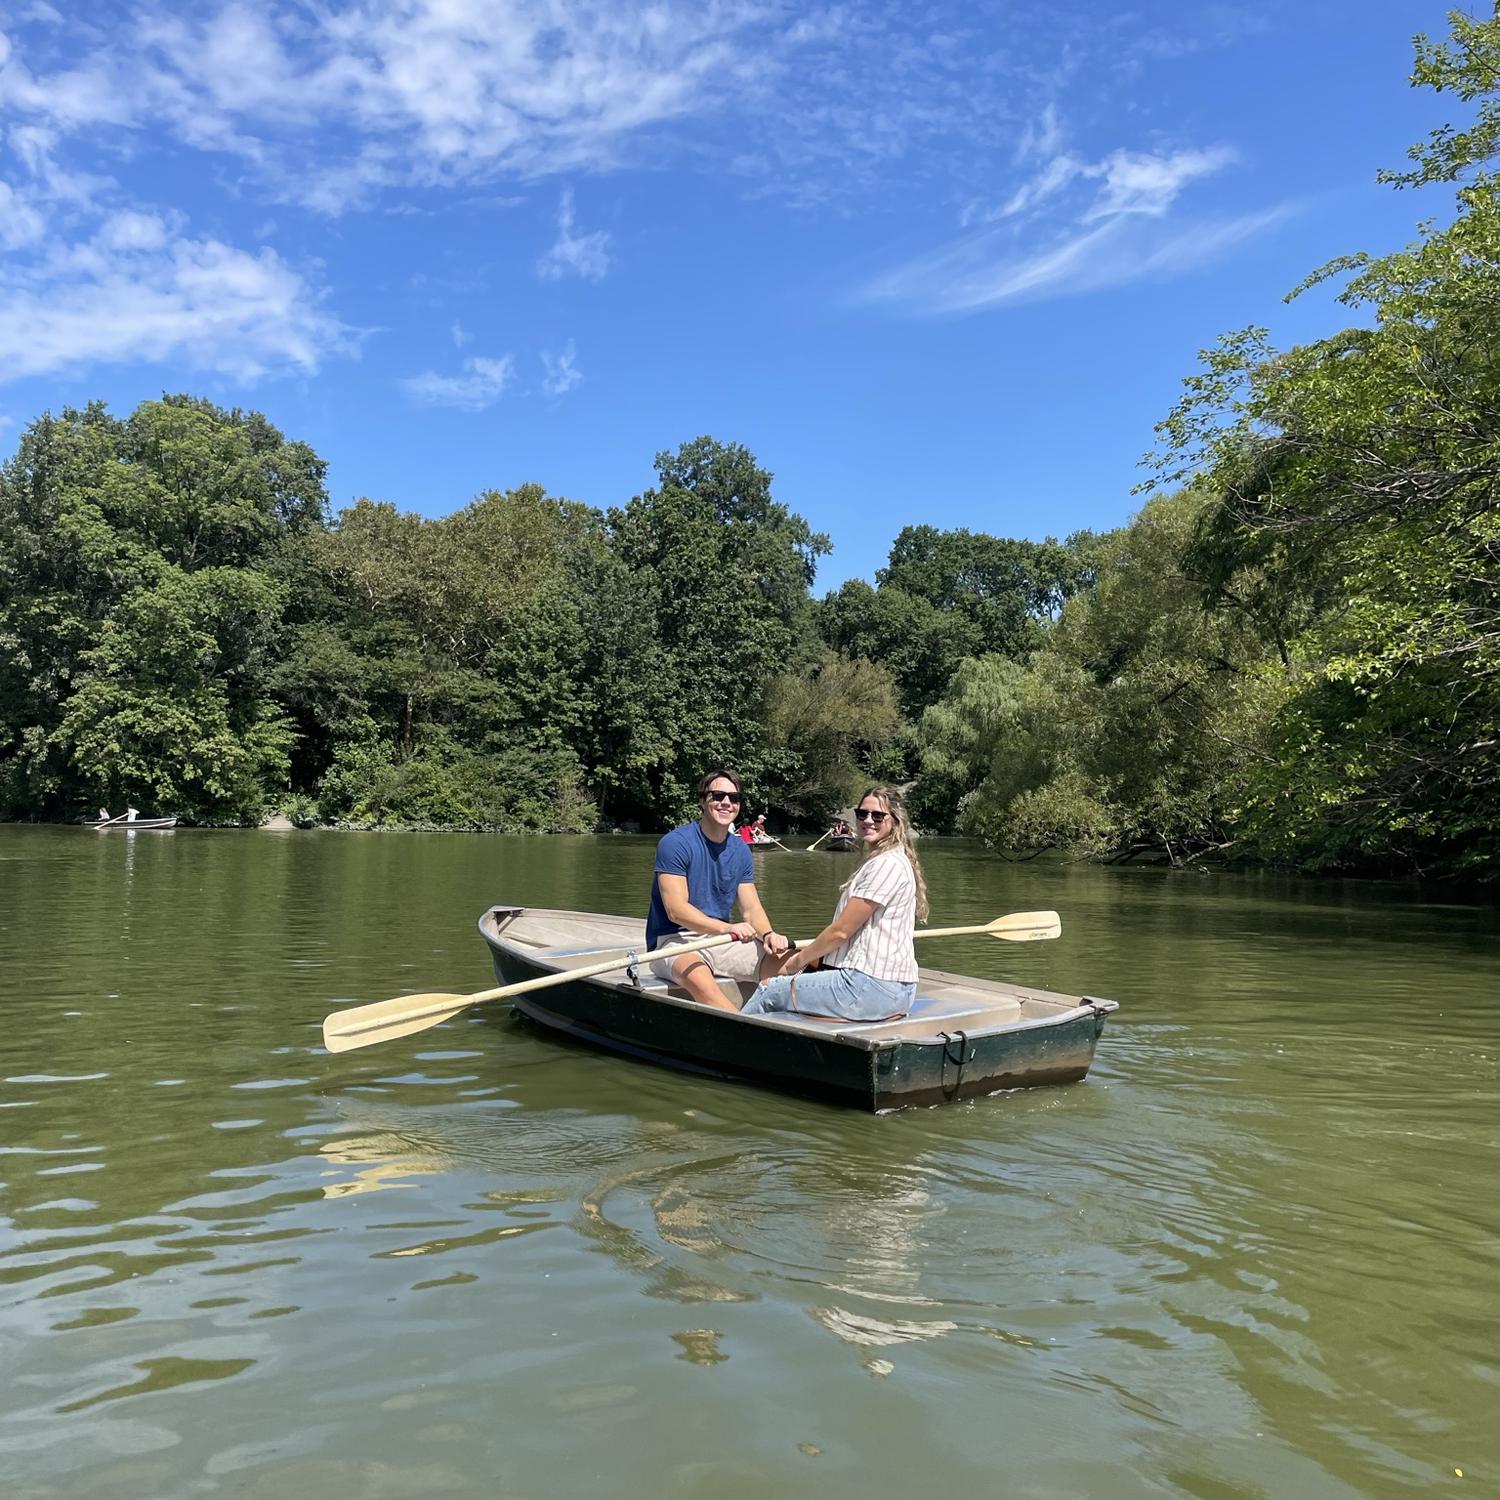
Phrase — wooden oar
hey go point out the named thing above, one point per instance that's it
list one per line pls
(385, 1020)
(1018, 927)
(816, 842)
(109, 821)
(778, 843)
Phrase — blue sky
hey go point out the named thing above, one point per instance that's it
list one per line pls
(941, 263)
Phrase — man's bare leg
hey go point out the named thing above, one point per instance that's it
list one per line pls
(695, 974)
(771, 964)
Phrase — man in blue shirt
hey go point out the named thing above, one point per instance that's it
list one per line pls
(701, 872)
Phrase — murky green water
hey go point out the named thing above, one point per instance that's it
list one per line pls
(1256, 1254)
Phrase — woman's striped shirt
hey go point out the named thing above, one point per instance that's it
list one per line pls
(883, 946)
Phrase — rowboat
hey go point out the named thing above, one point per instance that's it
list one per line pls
(152, 825)
(840, 843)
(963, 1038)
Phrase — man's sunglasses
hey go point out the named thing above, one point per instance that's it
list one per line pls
(877, 818)
(733, 798)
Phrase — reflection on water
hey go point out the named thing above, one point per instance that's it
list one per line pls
(1252, 1256)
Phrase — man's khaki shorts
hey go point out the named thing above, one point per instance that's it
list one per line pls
(731, 961)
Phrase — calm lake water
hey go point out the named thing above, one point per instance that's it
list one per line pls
(1256, 1254)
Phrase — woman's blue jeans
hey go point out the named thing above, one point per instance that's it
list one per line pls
(845, 993)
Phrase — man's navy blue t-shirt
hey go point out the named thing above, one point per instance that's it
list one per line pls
(714, 874)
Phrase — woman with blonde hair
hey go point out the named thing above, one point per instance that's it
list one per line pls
(869, 969)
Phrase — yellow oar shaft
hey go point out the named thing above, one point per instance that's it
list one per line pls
(385, 1020)
(350, 1024)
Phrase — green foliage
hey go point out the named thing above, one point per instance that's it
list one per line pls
(722, 573)
(1294, 656)
(1358, 483)
(920, 644)
(1133, 728)
(827, 727)
(135, 624)
(1006, 589)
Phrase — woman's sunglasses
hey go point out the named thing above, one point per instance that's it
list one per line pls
(733, 798)
(877, 818)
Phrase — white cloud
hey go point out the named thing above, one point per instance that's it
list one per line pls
(481, 384)
(21, 221)
(1041, 137)
(987, 269)
(1052, 179)
(559, 372)
(139, 291)
(1073, 226)
(461, 335)
(91, 277)
(337, 102)
(572, 254)
(1139, 183)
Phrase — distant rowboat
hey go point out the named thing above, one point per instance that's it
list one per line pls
(151, 825)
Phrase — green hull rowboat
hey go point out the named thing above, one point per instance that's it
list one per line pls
(963, 1038)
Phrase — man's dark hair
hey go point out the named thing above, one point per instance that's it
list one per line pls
(707, 781)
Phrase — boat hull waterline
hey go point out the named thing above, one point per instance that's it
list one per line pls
(964, 1038)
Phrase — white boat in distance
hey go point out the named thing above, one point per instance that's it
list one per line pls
(130, 818)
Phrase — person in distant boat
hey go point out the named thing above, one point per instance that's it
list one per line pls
(131, 815)
(868, 968)
(761, 836)
(700, 875)
(746, 832)
(104, 815)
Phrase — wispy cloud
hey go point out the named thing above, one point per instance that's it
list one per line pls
(461, 335)
(334, 103)
(572, 253)
(559, 372)
(1070, 226)
(92, 277)
(481, 384)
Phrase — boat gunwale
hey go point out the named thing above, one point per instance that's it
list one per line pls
(830, 1029)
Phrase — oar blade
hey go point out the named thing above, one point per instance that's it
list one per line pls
(365, 1025)
(1026, 926)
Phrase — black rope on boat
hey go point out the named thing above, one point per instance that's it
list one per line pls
(959, 1062)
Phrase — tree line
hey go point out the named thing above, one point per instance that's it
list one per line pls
(1290, 654)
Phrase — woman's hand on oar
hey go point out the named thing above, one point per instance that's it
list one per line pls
(385, 1020)
(1018, 927)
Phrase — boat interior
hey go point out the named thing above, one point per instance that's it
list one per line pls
(944, 1002)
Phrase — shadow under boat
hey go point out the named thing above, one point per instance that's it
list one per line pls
(963, 1037)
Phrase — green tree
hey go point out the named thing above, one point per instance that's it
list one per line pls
(1008, 590)
(826, 728)
(1134, 729)
(1358, 476)
(468, 668)
(920, 644)
(139, 607)
(722, 573)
